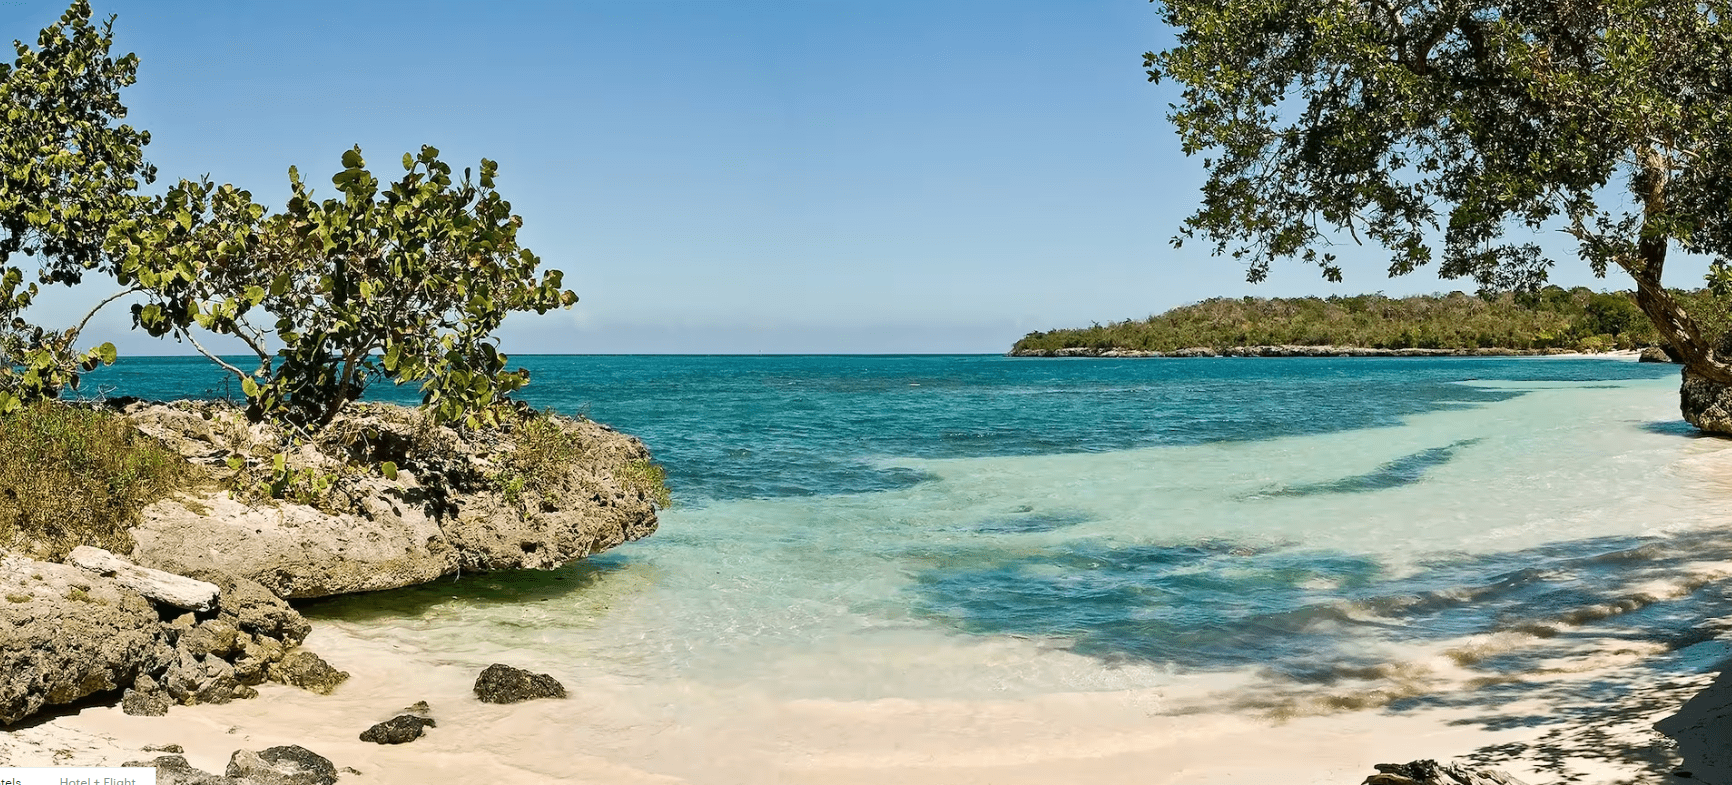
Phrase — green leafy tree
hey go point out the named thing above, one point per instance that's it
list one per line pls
(1466, 126)
(405, 282)
(68, 173)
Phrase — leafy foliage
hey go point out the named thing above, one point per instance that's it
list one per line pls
(404, 283)
(67, 174)
(1550, 318)
(78, 476)
(1394, 121)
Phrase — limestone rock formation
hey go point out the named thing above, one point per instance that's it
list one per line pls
(65, 634)
(446, 510)
(505, 684)
(1705, 404)
(145, 699)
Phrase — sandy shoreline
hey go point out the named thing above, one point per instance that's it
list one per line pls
(1589, 721)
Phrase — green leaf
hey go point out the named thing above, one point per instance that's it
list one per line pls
(352, 158)
(408, 162)
(279, 464)
(280, 285)
(390, 470)
(255, 294)
(106, 353)
(249, 387)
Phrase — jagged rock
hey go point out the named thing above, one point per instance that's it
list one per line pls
(1430, 772)
(219, 684)
(505, 684)
(214, 637)
(145, 699)
(253, 608)
(66, 633)
(308, 671)
(1705, 404)
(292, 765)
(400, 729)
(438, 517)
(258, 652)
(1702, 728)
(163, 587)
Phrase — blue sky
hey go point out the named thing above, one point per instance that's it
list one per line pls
(730, 177)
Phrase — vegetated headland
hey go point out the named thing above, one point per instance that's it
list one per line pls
(1553, 319)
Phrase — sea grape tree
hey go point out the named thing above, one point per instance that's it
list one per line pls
(68, 173)
(1451, 131)
(403, 282)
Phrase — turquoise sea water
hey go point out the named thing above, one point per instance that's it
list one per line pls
(916, 526)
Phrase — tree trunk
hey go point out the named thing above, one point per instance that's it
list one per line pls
(1676, 326)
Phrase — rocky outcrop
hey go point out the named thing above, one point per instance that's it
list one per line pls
(1283, 351)
(1430, 772)
(448, 509)
(505, 684)
(1705, 404)
(1703, 730)
(66, 634)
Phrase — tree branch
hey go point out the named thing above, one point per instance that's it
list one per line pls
(73, 335)
(206, 352)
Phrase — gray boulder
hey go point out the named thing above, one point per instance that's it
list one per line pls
(505, 684)
(65, 634)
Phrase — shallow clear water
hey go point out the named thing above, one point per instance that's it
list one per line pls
(929, 526)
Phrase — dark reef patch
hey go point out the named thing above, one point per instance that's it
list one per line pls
(1406, 470)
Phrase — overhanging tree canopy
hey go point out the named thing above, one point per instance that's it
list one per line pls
(68, 172)
(1401, 121)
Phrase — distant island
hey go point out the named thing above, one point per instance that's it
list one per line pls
(1551, 320)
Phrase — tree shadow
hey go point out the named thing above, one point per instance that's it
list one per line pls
(584, 577)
